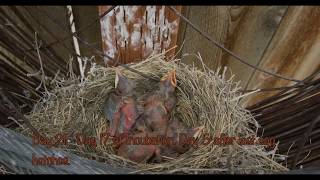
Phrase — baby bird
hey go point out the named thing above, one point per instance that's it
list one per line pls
(159, 104)
(139, 153)
(182, 136)
(120, 107)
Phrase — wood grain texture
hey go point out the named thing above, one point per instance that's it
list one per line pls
(246, 30)
(83, 15)
(250, 31)
(293, 52)
(182, 31)
(132, 33)
(214, 20)
(19, 58)
(16, 152)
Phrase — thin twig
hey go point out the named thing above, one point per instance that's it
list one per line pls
(76, 43)
(43, 76)
(304, 139)
(79, 30)
(143, 75)
(3, 95)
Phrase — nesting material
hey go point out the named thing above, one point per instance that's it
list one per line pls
(3, 170)
(204, 99)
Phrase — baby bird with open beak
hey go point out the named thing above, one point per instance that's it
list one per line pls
(158, 105)
(120, 107)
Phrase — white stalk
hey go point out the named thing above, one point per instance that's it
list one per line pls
(75, 42)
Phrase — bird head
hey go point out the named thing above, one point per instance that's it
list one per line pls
(168, 82)
(122, 84)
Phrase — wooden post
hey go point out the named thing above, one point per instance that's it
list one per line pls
(293, 52)
(131, 33)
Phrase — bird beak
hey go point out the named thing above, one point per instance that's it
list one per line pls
(116, 80)
(171, 77)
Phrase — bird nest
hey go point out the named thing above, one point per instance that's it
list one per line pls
(205, 98)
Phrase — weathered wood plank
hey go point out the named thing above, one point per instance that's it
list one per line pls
(214, 20)
(244, 30)
(83, 15)
(293, 52)
(16, 152)
(182, 31)
(131, 33)
(250, 31)
(18, 56)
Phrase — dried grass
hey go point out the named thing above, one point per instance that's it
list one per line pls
(3, 170)
(204, 99)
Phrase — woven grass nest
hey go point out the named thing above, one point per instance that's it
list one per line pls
(204, 99)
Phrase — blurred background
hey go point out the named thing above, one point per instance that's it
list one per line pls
(282, 40)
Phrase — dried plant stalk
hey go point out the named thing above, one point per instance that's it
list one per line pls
(204, 99)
